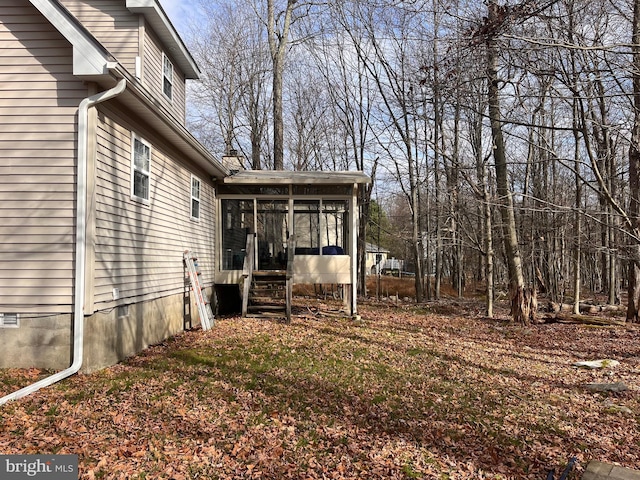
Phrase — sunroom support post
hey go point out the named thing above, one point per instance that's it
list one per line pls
(353, 216)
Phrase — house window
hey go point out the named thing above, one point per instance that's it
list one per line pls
(9, 320)
(141, 170)
(167, 77)
(195, 198)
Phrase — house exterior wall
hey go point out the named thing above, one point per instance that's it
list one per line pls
(39, 99)
(112, 24)
(139, 247)
(136, 248)
(126, 35)
(152, 76)
(133, 247)
(110, 336)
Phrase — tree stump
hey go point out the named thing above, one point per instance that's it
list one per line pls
(524, 305)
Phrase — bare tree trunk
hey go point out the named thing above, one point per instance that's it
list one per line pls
(428, 263)
(488, 242)
(437, 151)
(483, 184)
(255, 151)
(257, 119)
(520, 298)
(633, 302)
(438, 260)
(453, 190)
(278, 123)
(577, 252)
(416, 236)
(577, 249)
(364, 195)
(278, 46)
(255, 100)
(362, 242)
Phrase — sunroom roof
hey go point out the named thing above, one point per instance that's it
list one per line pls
(284, 177)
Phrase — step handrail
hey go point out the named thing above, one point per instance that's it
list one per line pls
(291, 252)
(247, 272)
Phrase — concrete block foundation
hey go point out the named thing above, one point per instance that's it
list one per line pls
(109, 337)
(40, 342)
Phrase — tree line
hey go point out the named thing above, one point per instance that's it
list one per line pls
(502, 137)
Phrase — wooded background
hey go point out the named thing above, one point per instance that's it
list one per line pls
(501, 136)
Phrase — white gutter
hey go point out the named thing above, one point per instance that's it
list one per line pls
(81, 244)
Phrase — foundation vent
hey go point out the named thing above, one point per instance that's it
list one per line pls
(9, 320)
(123, 311)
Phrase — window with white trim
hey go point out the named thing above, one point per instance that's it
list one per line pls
(9, 320)
(140, 169)
(167, 77)
(195, 198)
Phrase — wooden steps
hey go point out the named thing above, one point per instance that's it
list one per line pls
(268, 294)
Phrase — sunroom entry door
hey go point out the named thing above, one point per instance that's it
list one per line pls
(272, 229)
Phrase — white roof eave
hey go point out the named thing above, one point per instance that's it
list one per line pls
(158, 19)
(88, 56)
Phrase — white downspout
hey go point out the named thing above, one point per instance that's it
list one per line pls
(81, 244)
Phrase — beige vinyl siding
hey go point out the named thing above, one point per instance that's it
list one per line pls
(138, 247)
(112, 24)
(39, 99)
(152, 76)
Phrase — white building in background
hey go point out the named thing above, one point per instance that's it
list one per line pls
(393, 266)
(379, 263)
(376, 258)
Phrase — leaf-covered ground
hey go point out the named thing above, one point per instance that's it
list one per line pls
(434, 393)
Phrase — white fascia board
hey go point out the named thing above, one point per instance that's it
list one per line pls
(161, 24)
(285, 177)
(88, 56)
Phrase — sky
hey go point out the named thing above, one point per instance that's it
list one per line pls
(177, 10)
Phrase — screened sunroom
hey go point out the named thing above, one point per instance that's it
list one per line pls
(301, 226)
